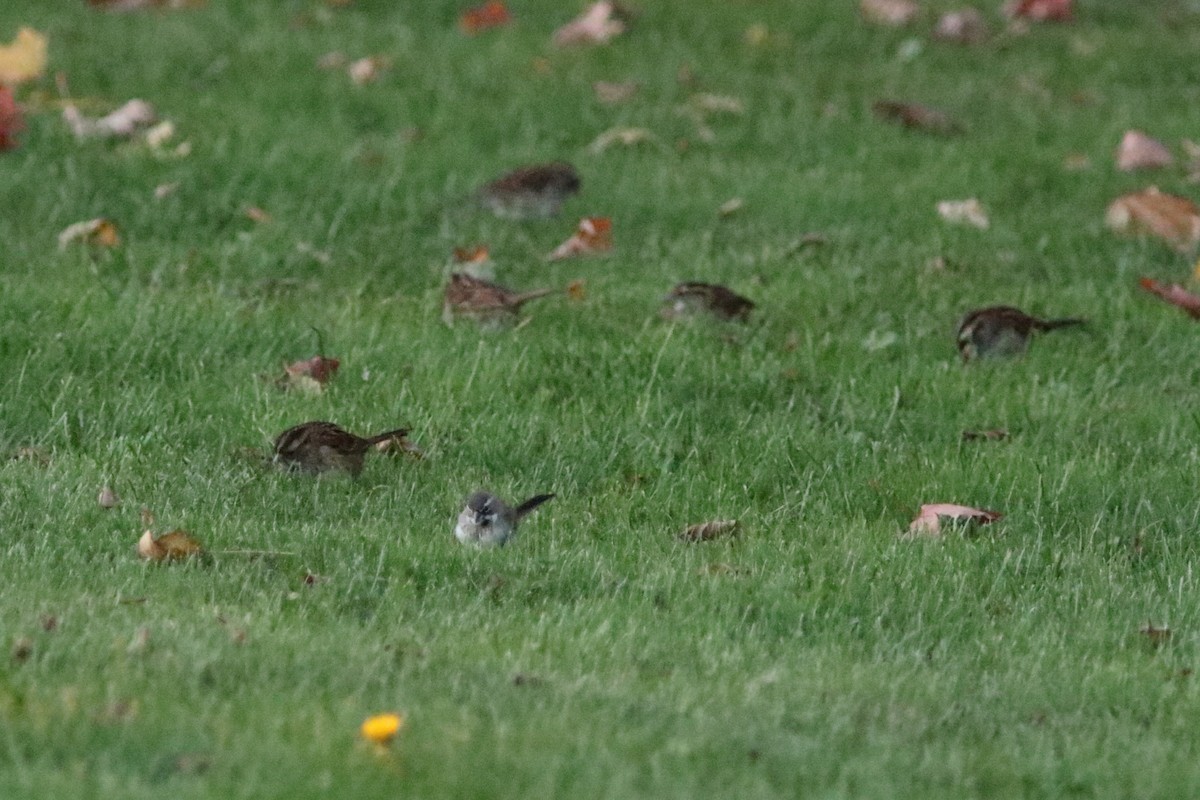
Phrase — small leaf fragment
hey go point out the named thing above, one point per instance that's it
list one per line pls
(577, 290)
(1139, 151)
(592, 236)
(626, 137)
(99, 232)
(969, 212)
(1174, 219)
(309, 375)
(611, 94)
(1174, 294)
(707, 531)
(598, 24)
(131, 118)
(493, 14)
(967, 26)
(108, 498)
(1040, 10)
(12, 121)
(730, 207)
(382, 728)
(917, 117)
(894, 13)
(24, 59)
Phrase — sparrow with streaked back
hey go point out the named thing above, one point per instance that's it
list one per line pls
(317, 447)
(1002, 331)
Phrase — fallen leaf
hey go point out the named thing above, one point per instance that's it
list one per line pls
(1139, 151)
(757, 35)
(99, 232)
(994, 435)
(24, 59)
(485, 17)
(928, 521)
(140, 5)
(382, 728)
(165, 190)
(597, 25)
(730, 207)
(970, 212)
(108, 498)
(717, 103)
(594, 235)
(1174, 294)
(1040, 10)
(367, 70)
(129, 119)
(966, 26)
(707, 531)
(1174, 219)
(399, 444)
(34, 454)
(256, 214)
(917, 116)
(626, 137)
(612, 94)
(577, 290)
(475, 261)
(12, 121)
(172, 546)
(318, 370)
(895, 13)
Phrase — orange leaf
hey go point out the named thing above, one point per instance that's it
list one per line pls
(489, 15)
(471, 255)
(1174, 294)
(928, 521)
(11, 120)
(1041, 10)
(99, 232)
(172, 546)
(1174, 219)
(577, 290)
(594, 235)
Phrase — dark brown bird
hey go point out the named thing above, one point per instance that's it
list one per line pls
(1001, 331)
(536, 191)
(688, 299)
(317, 447)
(486, 302)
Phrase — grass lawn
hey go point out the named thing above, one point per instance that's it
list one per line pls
(816, 654)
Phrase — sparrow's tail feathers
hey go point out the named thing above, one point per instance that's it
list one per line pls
(525, 297)
(1051, 324)
(531, 504)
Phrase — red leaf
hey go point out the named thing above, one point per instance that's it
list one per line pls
(319, 368)
(492, 14)
(1042, 10)
(1174, 294)
(11, 120)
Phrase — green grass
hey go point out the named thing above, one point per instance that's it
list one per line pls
(818, 654)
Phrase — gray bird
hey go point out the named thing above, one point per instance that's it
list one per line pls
(486, 520)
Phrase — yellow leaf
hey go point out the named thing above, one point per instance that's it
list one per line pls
(24, 59)
(382, 728)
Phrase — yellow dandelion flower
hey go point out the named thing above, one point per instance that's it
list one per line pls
(382, 728)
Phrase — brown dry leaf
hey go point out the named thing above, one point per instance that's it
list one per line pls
(400, 445)
(593, 236)
(24, 59)
(1174, 294)
(916, 116)
(969, 212)
(99, 232)
(1155, 635)
(707, 531)
(309, 375)
(626, 137)
(966, 26)
(12, 121)
(1174, 219)
(34, 454)
(1040, 10)
(577, 290)
(256, 214)
(597, 25)
(172, 546)
(895, 13)
(493, 14)
(994, 435)
(928, 522)
(1139, 151)
(131, 118)
(611, 94)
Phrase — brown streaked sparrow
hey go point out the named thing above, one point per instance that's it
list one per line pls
(999, 331)
(317, 447)
(688, 299)
(486, 302)
(536, 191)
(486, 520)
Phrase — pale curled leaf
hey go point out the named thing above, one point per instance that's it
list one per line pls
(592, 236)
(596, 25)
(1139, 151)
(611, 94)
(131, 118)
(1173, 219)
(894, 13)
(626, 137)
(967, 26)
(929, 521)
(707, 531)
(108, 498)
(24, 59)
(99, 232)
(969, 212)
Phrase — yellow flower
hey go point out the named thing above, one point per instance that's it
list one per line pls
(382, 728)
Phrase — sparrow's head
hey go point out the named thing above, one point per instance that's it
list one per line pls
(484, 508)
